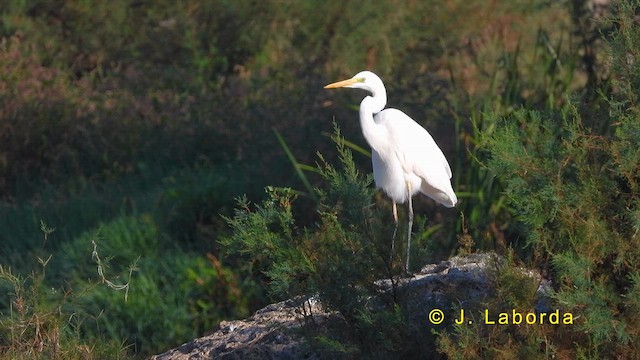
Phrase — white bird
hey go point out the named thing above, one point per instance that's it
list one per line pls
(406, 160)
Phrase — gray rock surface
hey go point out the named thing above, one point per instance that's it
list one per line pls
(460, 280)
(264, 335)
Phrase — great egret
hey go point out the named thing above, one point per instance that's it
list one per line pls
(406, 160)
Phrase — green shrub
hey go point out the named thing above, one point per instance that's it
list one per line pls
(573, 183)
(339, 259)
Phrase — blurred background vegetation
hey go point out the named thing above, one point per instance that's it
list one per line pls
(128, 127)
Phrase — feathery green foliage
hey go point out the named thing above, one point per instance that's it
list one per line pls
(573, 184)
(339, 260)
(286, 253)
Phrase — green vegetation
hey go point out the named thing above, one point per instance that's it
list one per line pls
(340, 260)
(136, 139)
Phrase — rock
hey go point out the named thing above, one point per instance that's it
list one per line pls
(461, 280)
(265, 335)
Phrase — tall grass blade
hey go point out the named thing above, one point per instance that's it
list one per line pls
(297, 166)
(349, 144)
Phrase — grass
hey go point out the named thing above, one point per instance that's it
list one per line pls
(114, 303)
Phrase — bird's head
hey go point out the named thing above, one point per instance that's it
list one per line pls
(365, 80)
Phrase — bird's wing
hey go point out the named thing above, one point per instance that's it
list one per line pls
(419, 154)
(413, 143)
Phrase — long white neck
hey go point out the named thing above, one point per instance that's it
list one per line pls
(373, 133)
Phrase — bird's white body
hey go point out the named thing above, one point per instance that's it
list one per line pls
(406, 160)
(410, 156)
(403, 152)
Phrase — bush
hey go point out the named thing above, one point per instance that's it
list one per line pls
(574, 185)
(340, 259)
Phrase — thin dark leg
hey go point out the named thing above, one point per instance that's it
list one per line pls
(393, 240)
(410, 226)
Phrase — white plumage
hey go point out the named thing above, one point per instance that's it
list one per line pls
(405, 158)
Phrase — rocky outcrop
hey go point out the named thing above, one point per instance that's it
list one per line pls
(266, 335)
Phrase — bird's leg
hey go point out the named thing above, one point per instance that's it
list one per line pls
(395, 229)
(410, 226)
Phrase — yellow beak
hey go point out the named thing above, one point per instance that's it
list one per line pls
(342, 83)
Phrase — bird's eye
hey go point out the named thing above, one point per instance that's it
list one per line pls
(361, 80)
